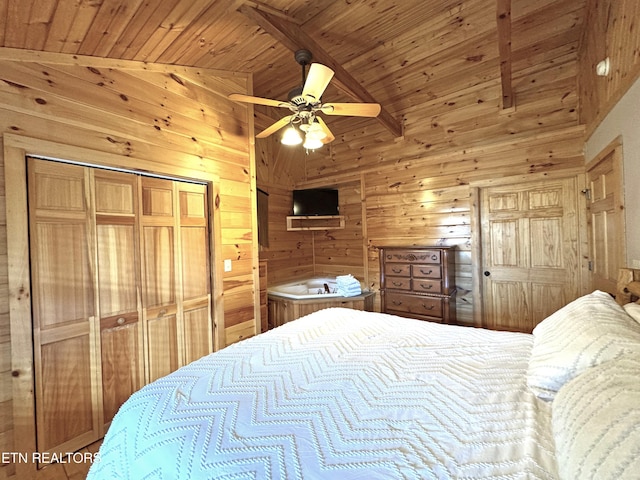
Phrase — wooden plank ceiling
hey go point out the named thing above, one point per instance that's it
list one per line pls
(399, 53)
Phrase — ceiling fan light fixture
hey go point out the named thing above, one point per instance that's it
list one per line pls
(291, 136)
(305, 102)
(311, 143)
(313, 130)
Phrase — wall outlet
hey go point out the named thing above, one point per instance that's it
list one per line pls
(227, 265)
(635, 263)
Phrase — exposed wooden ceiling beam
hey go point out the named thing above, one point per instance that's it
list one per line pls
(291, 36)
(503, 17)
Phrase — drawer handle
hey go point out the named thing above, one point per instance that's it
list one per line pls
(431, 307)
(426, 287)
(434, 257)
(395, 302)
(396, 270)
(162, 313)
(120, 321)
(426, 273)
(397, 284)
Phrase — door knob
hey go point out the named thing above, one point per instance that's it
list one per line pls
(487, 273)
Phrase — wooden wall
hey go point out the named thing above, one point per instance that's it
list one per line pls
(155, 118)
(611, 30)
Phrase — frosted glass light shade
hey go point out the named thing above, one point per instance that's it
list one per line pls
(312, 143)
(316, 132)
(291, 136)
(313, 129)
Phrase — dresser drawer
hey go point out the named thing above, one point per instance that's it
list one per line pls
(426, 271)
(413, 255)
(424, 285)
(420, 305)
(397, 269)
(398, 283)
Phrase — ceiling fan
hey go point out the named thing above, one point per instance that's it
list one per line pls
(305, 103)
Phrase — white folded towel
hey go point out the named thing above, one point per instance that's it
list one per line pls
(348, 285)
(346, 280)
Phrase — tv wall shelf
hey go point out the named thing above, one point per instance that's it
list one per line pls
(315, 222)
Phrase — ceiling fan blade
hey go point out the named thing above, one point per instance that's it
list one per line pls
(351, 109)
(329, 138)
(317, 80)
(238, 97)
(275, 127)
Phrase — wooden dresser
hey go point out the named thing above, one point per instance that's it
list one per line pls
(418, 282)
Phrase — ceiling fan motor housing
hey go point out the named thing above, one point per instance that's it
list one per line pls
(303, 56)
(295, 96)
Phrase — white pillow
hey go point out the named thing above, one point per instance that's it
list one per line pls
(590, 330)
(633, 310)
(596, 423)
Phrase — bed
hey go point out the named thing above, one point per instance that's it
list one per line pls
(347, 394)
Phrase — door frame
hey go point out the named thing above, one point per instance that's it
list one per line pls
(475, 193)
(16, 149)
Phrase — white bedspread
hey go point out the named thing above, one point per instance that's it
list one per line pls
(340, 394)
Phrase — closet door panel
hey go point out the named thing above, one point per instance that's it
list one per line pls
(195, 264)
(65, 401)
(120, 333)
(115, 193)
(63, 276)
(163, 345)
(64, 306)
(197, 332)
(121, 362)
(117, 284)
(163, 319)
(121, 342)
(159, 264)
(195, 274)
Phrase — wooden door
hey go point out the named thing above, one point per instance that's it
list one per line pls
(121, 336)
(195, 274)
(605, 218)
(67, 375)
(159, 299)
(530, 260)
(121, 291)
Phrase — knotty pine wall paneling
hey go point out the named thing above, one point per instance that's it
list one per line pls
(416, 187)
(611, 30)
(340, 251)
(408, 215)
(290, 255)
(171, 120)
(425, 200)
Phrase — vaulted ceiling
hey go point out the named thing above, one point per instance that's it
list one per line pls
(399, 53)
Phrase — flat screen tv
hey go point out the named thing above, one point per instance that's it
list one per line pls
(315, 201)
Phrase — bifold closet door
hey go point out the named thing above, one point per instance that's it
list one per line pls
(194, 258)
(121, 336)
(159, 251)
(175, 266)
(121, 291)
(64, 306)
